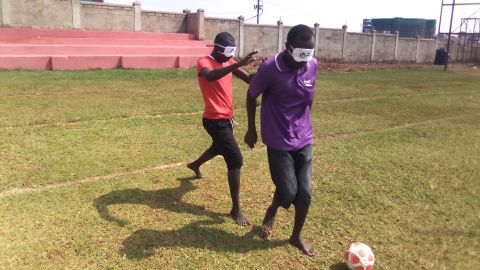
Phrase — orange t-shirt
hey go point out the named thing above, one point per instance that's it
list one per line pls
(217, 95)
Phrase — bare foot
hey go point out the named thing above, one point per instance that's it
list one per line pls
(304, 247)
(196, 170)
(239, 218)
(268, 221)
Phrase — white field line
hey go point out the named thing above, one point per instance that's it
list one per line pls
(81, 122)
(20, 191)
(16, 191)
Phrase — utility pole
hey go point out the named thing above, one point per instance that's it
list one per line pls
(258, 7)
(449, 37)
(440, 22)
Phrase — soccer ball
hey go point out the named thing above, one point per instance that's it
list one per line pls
(359, 257)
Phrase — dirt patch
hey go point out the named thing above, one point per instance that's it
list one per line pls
(348, 67)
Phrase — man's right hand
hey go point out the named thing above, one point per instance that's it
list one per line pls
(248, 59)
(251, 138)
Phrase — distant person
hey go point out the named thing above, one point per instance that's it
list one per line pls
(286, 83)
(215, 79)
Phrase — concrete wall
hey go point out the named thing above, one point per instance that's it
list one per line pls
(213, 26)
(358, 47)
(384, 48)
(95, 16)
(35, 14)
(165, 22)
(406, 49)
(285, 31)
(426, 50)
(330, 44)
(262, 37)
(1, 13)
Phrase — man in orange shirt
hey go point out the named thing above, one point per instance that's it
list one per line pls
(215, 79)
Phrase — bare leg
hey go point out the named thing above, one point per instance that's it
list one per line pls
(269, 218)
(295, 239)
(234, 185)
(195, 166)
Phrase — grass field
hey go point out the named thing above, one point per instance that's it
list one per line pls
(92, 173)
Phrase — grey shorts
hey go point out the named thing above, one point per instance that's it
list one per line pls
(291, 172)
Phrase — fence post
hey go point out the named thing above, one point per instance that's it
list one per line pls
(418, 49)
(372, 53)
(241, 37)
(137, 14)
(200, 29)
(476, 52)
(457, 51)
(6, 13)
(76, 15)
(317, 38)
(187, 13)
(395, 52)
(344, 41)
(280, 36)
(469, 49)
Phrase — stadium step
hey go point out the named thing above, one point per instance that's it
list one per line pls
(21, 49)
(22, 33)
(100, 41)
(47, 49)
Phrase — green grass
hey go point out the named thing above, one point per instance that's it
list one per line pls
(396, 166)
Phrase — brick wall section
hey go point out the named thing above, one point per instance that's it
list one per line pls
(263, 37)
(213, 26)
(406, 49)
(51, 14)
(358, 47)
(426, 50)
(384, 48)
(164, 22)
(330, 44)
(1, 14)
(95, 16)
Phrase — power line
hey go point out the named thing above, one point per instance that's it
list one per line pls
(232, 12)
(290, 9)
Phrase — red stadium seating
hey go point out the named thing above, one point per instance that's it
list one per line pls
(48, 49)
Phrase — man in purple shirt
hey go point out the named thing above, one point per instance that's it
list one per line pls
(286, 83)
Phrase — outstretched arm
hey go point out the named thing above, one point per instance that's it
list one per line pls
(215, 74)
(241, 73)
(244, 75)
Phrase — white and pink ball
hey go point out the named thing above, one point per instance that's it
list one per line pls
(359, 257)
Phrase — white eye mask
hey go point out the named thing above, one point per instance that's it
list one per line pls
(301, 55)
(228, 51)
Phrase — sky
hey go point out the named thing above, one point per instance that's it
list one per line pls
(329, 14)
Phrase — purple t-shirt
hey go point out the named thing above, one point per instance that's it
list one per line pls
(287, 96)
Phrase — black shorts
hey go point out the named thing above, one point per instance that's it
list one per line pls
(224, 143)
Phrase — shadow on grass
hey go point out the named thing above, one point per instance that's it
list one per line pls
(339, 266)
(169, 199)
(200, 234)
(142, 243)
